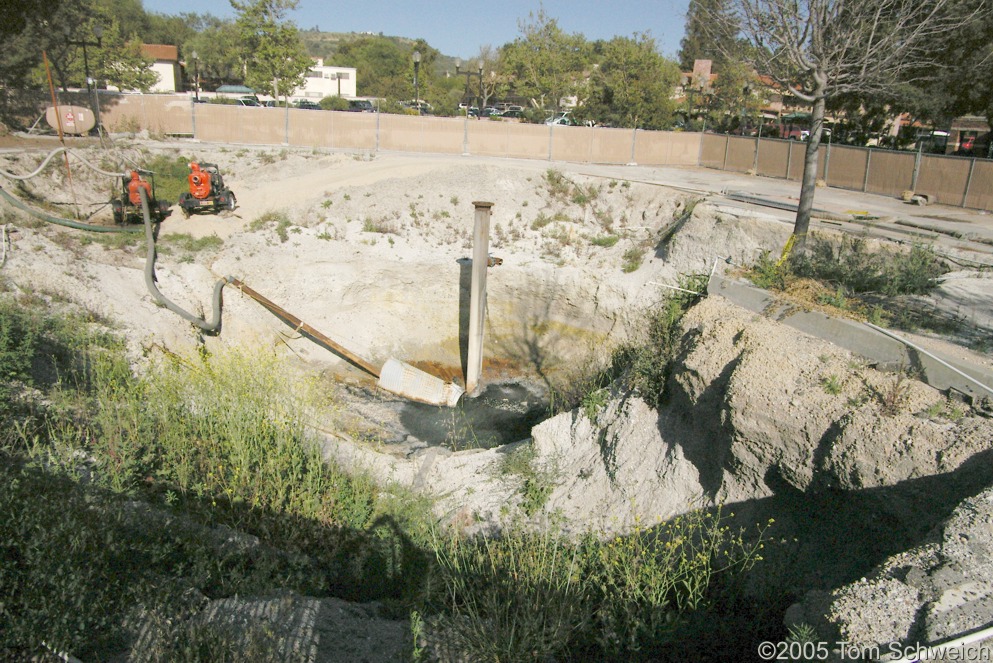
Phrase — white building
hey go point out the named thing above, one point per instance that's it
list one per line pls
(165, 65)
(326, 81)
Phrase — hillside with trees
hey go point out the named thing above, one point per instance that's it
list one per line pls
(623, 81)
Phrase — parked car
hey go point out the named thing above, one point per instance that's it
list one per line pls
(563, 118)
(361, 106)
(248, 101)
(309, 105)
(422, 106)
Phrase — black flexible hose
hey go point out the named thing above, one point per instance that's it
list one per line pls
(214, 324)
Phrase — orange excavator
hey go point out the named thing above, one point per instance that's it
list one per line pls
(207, 191)
(127, 208)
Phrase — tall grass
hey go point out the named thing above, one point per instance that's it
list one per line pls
(531, 595)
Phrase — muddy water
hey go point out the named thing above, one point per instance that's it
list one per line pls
(504, 411)
(500, 414)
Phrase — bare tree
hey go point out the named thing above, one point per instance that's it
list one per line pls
(818, 49)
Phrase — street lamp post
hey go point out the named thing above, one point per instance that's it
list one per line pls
(90, 83)
(417, 92)
(744, 105)
(196, 76)
(468, 75)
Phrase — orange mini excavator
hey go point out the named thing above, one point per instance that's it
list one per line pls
(207, 191)
(127, 208)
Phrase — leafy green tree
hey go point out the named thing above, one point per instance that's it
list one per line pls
(963, 82)
(130, 17)
(700, 40)
(737, 95)
(630, 85)
(119, 62)
(47, 30)
(383, 68)
(276, 61)
(219, 56)
(546, 63)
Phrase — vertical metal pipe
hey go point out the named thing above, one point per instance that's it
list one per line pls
(634, 142)
(477, 296)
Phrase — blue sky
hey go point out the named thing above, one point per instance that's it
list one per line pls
(460, 28)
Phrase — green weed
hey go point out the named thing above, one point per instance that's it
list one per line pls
(279, 218)
(186, 243)
(831, 385)
(605, 241)
(633, 258)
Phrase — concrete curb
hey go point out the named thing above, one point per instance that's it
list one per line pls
(888, 353)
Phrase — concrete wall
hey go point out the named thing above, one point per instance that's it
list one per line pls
(176, 114)
(959, 181)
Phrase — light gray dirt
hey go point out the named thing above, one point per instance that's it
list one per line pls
(369, 253)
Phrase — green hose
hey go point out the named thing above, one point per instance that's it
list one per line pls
(67, 222)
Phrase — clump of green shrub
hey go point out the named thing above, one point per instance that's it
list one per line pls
(878, 285)
(644, 365)
(170, 176)
(853, 266)
(279, 219)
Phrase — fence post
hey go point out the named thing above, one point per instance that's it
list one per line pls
(917, 167)
(465, 134)
(193, 114)
(377, 124)
(968, 182)
(727, 146)
(865, 180)
(827, 163)
(758, 146)
(789, 159)
(634, 140)
(286, 128)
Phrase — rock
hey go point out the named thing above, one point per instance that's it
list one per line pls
(931, 594)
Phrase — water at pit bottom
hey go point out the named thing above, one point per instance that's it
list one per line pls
(500, 414)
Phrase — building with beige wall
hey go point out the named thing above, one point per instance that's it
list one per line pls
(165, 65)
